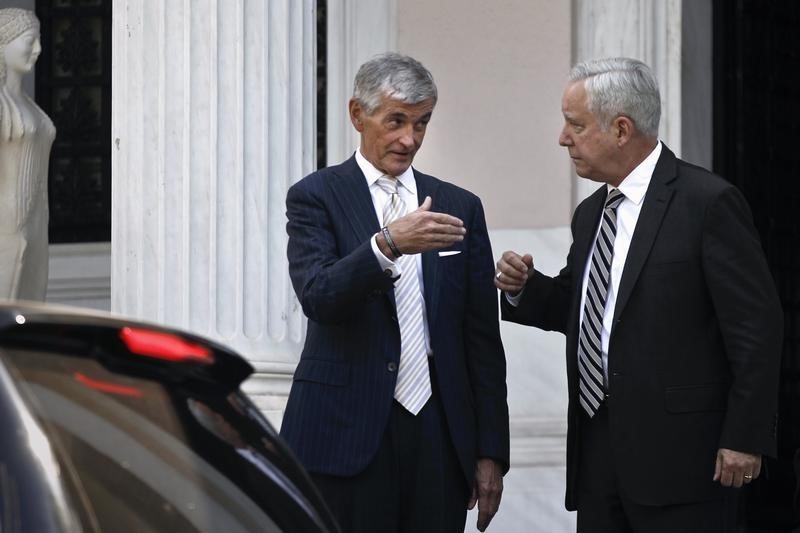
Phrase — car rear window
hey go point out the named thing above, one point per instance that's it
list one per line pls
(139, 453)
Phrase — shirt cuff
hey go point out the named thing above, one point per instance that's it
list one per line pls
(383, 261)
(514, 300)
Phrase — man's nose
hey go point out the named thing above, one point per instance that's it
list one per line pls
(563, 139)
(407, 137)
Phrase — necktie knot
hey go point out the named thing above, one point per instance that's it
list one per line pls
(394, 207)
(614, 198)
(388, 184)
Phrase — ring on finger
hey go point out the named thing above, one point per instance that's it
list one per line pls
(748, 477)
(497, 276)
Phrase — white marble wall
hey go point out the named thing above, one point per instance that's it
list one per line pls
(80, 274)
(533, 498)
(213, 117)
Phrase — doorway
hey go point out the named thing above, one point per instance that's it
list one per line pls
(756, 135)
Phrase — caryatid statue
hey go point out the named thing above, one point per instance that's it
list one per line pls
(26, 136)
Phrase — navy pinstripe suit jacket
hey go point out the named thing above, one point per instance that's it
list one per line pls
(343, 386)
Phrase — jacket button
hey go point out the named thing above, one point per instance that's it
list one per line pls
(392, 366)
(387, 273)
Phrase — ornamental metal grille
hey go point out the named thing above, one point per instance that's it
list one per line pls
(73, 86)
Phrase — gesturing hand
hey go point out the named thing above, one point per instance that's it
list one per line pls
(423, 230)
(512, 272)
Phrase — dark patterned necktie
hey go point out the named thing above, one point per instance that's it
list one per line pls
(590, 359)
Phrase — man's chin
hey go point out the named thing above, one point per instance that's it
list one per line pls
(395, 168)
(587, 175)
(582, 172)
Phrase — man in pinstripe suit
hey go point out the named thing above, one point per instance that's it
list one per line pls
(393, 266)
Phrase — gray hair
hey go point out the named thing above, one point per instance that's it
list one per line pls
(395, 76)
(621, 86)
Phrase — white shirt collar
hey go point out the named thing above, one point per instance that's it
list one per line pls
(372, 174)
(635, 184)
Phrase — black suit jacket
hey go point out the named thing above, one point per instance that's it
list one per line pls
(343, 386)
(694, 351)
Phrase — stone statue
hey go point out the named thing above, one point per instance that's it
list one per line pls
(26, 135)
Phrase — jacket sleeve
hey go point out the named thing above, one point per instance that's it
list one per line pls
(484, 349)
(545, 301)
(750, 321)
(331, 286)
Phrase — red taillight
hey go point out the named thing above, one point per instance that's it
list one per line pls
(165, 346)
(106, 386)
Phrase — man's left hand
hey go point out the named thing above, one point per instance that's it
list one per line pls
(735, 468)
(487, 491)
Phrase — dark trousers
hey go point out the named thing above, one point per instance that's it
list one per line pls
(602, 508)
(413, 484)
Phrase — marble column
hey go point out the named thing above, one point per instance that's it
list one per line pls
(643, 29)
(357, 30)
(213, 117)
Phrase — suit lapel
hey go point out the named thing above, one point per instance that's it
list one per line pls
(585, 230)
(655, 204)
(427, 186)
(349, 186)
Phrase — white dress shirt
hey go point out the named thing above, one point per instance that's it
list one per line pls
(634, 187)
(407, 189)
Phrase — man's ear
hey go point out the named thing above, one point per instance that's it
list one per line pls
(356, 115)
(624, 128)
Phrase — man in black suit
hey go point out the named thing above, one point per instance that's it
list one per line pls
(398, 405)
(672, 320)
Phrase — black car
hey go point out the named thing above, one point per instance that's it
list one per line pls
(113, 425)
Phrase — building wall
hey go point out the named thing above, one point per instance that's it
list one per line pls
(500, 68)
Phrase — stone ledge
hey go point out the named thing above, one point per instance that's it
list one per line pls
(80, 274)
(537, 442)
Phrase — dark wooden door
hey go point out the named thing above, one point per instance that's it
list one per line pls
(757, 147)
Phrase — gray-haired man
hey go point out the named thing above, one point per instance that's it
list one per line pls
(672, 320)
(398, 405)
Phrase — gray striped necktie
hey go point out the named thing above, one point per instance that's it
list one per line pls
(413, 387)
(590, 359)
